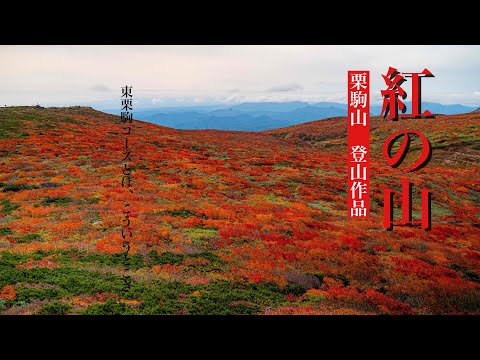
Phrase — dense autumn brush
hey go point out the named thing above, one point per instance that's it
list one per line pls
(248, 209)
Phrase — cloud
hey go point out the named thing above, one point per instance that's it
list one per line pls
(235, 98)
(218, 72)
(286, 88)
(100, 87)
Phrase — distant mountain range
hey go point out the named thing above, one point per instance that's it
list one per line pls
(259, 116)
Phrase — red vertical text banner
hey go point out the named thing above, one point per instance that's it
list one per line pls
(358, 144)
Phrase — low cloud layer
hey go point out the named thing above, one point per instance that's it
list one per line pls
(100, 88)
(286, 88)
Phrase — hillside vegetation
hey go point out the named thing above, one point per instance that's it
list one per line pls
(229, 222)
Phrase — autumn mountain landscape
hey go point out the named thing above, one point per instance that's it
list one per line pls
(229, 222)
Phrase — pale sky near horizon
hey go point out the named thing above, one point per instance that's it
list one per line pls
(180, 75)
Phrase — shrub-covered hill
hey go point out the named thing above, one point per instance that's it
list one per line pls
(228, 222)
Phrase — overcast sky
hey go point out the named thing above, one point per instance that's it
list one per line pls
(187, 75)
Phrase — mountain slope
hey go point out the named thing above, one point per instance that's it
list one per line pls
(259, 116)
(233, 119)
(227, 222)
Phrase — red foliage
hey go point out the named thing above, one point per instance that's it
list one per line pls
(192, 221)
(109, 246)
(386, 304)
(167, 269)
(256, 278)
(277, 198)
(8, 293)
(351, 241)
(422, 269)
(47, 262)
(290, 297)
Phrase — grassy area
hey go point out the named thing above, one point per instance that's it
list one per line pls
(8, 128)
(8, 206)
(58, 287)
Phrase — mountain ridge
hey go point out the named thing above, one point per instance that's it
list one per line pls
(260, 116)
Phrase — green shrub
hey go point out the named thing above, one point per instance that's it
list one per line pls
(472, 275)
(17, 187)
(9, 127)
(467, 272)
(72, 121)
(226, 298)
(9, 259)
(134, 261)
(294, 289)
(8, 206)
(55, 308)
(28, 294)
(164, 258)
(200, 235)
(163, 298)
(28, 238)
(176, 259)
(64, 200)
(5, 231)
(92, 200)
(69, 280)
(3, 306)
(76, 281)
(110, 307)
(184, 213)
